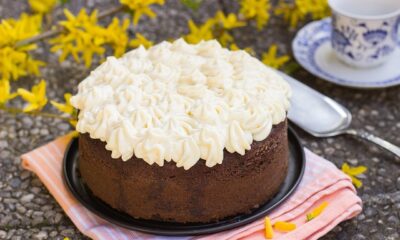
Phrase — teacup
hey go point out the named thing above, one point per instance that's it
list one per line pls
(365, 33)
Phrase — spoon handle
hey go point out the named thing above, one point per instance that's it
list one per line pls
(377, 140)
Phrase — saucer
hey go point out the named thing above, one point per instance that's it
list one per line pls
(312, 49)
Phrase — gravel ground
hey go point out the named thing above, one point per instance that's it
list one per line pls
(27, 211)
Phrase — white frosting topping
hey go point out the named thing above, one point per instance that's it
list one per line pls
(180, 102)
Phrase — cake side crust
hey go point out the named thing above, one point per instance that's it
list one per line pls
(200, 194)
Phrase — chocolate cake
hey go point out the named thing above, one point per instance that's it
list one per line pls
(183, 133)
(201, 194)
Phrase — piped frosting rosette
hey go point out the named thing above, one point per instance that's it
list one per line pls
(180, 102)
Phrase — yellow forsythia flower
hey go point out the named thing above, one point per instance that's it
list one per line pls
(230, 21)
(140, 40)
(198, 33)
(141, 7)
(284, 226)
(42, 6)
(225, 38)
(83, 37)
(235, 47)
(5, 92)
(14, 30)
(271, 59)
(300, 9)
(256, 9)
(352, 172)
(36, 97)
(317, 211)
(15, 64)
(290, 13)
(12, 63)
(269, 232)
(317, 9)
(64, 107)
(117, 36)
(72, 134)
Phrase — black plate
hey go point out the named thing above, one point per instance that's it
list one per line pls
(83, 194)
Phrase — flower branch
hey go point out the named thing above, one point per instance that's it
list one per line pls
(59, 29)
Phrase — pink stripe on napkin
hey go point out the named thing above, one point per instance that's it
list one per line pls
(322, 181)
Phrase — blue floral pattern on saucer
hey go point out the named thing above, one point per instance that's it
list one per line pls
(313, 50)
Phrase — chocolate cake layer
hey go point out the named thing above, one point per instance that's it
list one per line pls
(200, 194)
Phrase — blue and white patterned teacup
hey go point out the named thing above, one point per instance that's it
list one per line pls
(365, 33)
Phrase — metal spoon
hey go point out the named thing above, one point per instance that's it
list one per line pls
(321, 116)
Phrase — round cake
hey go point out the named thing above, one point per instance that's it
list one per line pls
(183, 133)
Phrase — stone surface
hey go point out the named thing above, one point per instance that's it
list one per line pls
(27, 211)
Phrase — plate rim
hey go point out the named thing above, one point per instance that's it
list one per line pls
(293, 139)
(311, 66)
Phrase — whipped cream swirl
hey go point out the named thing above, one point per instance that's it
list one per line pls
(180, 102)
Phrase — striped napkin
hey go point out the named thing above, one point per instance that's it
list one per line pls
(322, 182)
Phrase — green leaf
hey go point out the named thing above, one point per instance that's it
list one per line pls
(192, 4)
(291, 67)
(64, 1)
